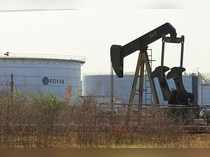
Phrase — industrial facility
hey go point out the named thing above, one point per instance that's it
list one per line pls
(99, 86)
(59, 77)
(62, 78)
(139, 85)
(159, 85)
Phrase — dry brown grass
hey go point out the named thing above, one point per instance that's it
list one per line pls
(44, 122)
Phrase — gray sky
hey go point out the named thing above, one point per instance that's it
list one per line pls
(96, 25)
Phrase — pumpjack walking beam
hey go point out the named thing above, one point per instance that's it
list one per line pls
(118, 53)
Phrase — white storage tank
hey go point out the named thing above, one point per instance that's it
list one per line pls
(205, 94)
(99, 85)
(59, 77)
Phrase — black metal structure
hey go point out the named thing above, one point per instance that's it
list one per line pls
(178, 96)
(118, 52)
(176, 40)
(159, 73)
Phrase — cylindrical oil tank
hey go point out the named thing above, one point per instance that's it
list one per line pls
(58, 77)
(204, 94)
(100, 85)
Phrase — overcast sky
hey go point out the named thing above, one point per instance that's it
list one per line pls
(95, 25)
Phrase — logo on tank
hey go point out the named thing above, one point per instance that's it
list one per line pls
(47, 81)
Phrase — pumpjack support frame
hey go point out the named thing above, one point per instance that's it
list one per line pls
(143, 60)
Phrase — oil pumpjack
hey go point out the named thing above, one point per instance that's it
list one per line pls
(177, 96)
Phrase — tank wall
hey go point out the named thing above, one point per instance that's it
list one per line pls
(204, 95)
(51, 77)
(99, 85)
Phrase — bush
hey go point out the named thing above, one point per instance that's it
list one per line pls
(44, 121)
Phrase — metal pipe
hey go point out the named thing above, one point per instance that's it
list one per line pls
(182, 51)
(163, 52)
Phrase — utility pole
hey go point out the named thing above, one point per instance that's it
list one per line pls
(112, 89)
(12, 87)
(12, 84)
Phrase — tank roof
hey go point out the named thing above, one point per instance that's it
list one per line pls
(67, 59)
